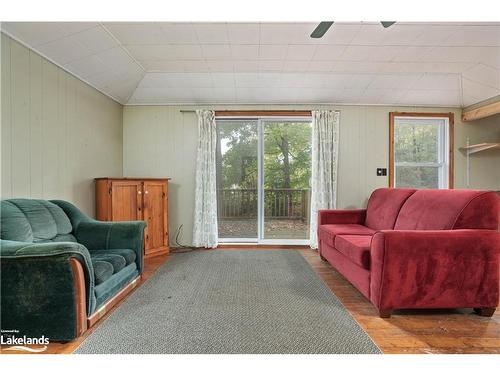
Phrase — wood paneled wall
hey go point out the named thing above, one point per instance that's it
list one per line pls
(57, 132)
(161, 141)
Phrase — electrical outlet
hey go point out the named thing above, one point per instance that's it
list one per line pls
(381, 171)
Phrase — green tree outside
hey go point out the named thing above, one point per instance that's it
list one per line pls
(287, 163)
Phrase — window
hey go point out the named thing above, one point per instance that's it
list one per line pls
(421, 150)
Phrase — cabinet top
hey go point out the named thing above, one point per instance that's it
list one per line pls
(134, 178)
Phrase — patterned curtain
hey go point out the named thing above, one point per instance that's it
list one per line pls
(325, 151)
(205, 208)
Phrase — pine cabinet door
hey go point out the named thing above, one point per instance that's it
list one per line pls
(126, 200)
(155, 215)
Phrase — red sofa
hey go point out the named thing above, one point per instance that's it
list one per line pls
(417, 249)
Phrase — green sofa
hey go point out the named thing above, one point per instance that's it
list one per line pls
(39, 243)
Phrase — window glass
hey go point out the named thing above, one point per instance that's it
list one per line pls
(420, 152)
(417, 143)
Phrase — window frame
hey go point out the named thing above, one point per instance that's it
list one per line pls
(447, 153)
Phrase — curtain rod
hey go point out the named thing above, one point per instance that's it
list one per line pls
(256, 113)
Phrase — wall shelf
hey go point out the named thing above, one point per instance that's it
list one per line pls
(472, 149)
(482, 109)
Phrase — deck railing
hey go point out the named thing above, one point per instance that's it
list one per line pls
(290, 204)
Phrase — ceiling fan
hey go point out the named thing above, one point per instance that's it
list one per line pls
(323, 27)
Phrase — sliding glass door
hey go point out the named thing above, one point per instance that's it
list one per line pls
(286, 179)
(263, 179)
(237, 179)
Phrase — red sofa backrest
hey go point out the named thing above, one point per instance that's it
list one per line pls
(384, 206)
(435, 209)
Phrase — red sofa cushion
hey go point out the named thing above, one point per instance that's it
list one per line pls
(328, 232)
(356, 248)
(436, 209)
(384, 206)
(480, 213)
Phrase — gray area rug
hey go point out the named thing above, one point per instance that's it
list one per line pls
(231, 301)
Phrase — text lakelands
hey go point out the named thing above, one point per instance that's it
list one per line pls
(24, 340)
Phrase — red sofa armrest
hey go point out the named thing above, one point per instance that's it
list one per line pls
(435, 269)
(341, 217)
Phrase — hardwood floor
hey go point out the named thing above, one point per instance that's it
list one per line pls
(413, 331)
(436, 331)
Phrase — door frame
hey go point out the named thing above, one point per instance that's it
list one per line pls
(261, 120)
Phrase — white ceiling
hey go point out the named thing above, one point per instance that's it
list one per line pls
(434, 64)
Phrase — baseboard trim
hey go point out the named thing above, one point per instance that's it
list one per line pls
(159, 251)
(262, 247)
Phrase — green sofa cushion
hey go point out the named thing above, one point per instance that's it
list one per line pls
(102, 271)
(128, 254)
(33, 220)
(114, 284)
(42, 222)
(15, 226)
(117, 261)
(62, 221)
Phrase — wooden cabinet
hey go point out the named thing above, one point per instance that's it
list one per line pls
(155, 215)
(123, 199)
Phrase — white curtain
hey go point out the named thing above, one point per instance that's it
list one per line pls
(325, 151)
(205, 207)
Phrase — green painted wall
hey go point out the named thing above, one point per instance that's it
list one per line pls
(57, 132)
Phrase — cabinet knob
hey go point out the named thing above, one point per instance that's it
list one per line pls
(146, 192)
(139, 192)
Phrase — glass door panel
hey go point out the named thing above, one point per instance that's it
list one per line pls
(237, 179)
(286, 179)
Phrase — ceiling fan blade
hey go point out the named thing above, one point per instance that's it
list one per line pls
(321, 29)
(387, 24)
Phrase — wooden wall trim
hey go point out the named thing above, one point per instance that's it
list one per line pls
(480, 112)
(451, 151)
(263, 113)
(451, 142)
(422, 114)
(391, 148)
(80, 294)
